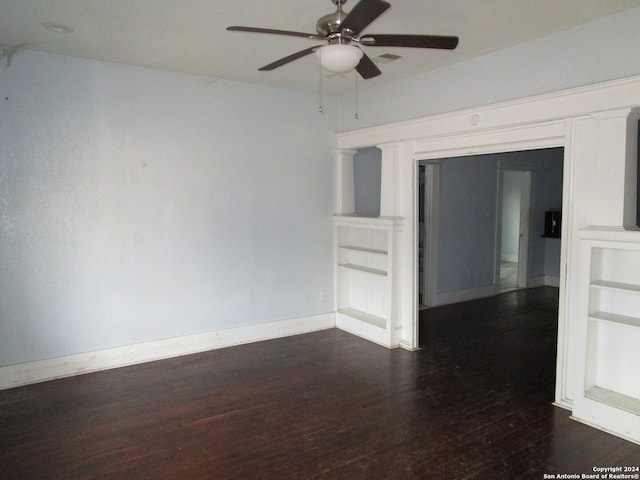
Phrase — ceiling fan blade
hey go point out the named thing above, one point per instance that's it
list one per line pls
(366, 68)
(290, 58)
(311, 36)
(365, 12)
(415, 41)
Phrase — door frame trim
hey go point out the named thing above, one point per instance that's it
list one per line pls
(525, 229)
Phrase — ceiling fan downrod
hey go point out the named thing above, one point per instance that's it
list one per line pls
(330, 24)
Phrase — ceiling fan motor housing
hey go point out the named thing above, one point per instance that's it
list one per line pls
(329, 25)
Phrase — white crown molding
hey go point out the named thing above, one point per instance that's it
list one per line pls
(544, 108)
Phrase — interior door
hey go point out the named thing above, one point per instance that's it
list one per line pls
(514, 214)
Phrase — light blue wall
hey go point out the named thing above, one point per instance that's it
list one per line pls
(137, 204)
(547, 164)
(367, 168)
(594, 52)
(547, 196)
(467, 220)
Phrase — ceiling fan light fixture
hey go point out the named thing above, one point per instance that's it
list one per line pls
(339, 58)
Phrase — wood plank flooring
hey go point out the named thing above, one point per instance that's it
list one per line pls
(474, 403)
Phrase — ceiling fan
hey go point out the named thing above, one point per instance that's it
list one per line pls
(340, 30)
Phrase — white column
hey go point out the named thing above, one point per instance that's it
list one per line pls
(397, 200)
(605, 168)
(389, 178)
(345, 203)
(601, 165)
(631, 173)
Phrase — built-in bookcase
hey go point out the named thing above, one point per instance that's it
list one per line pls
(364, 277)
(609, 390)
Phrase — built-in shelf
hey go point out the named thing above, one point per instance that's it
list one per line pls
(615, 319)
(362, 268)
(614, 399)
(616, 286)
(609, 370)
(364, 317)
(363, 249)
(365, 276)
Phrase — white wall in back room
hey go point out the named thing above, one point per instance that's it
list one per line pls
(138, 205)
(510, 225)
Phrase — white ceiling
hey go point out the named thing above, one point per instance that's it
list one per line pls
(190, 35)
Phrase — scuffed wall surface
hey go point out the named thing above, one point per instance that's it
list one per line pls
(137, 204)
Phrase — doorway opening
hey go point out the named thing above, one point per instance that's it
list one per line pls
(481, 224)
(515, 187)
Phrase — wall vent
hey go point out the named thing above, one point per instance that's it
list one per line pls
(386, 58)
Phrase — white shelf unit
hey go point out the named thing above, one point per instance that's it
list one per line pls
(608, 395)
(365, 248)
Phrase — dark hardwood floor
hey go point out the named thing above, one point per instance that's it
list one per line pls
(474, 403)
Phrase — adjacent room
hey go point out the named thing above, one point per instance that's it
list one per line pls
(218, 264)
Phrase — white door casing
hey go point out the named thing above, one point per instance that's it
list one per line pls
(591, 123)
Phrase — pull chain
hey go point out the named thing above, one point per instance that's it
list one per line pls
(355, 115)
(320, 109)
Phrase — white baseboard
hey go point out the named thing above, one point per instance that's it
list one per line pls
(543, 281)
(80, 363)
(489, 290)
(364, 330)
(465, 295)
